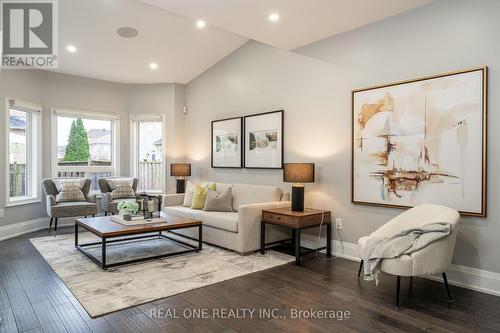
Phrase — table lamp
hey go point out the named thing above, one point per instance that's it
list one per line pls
(298, 173)
(180, 170)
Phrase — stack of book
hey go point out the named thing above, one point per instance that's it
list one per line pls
(130, 220)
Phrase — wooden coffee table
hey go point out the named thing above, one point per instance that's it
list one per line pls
(114, 232)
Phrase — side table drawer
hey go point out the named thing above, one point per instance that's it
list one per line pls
(270, 217)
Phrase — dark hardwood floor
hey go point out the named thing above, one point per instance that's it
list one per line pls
(34, 299)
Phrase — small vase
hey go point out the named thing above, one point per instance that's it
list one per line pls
(123, 212)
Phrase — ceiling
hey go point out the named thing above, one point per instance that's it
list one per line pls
(180, 49)
(168, 34)
(301, 22)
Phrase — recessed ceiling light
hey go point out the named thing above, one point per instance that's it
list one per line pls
(71, 48)
(127, 32)
(153, 65)
(200, 24)
(274, 17)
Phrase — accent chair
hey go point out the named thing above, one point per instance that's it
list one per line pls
(435, 258)
(57, 210)
(110, 205)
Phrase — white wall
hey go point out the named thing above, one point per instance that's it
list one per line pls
(166, 99)
(314, 89)
(54, 90)
(23, 85)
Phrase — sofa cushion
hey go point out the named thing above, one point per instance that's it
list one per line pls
(244, 194)
(221, 187)
(219, 202)
(181, 211)
(69, 190)
(200, 195)
(221, 220)
(188, 196)
(121, 188)
(73, 209)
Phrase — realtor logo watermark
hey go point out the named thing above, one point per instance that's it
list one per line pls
(29, 34)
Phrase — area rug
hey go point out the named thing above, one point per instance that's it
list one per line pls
(104, 291)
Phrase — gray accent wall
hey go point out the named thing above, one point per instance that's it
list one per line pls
(313, 84)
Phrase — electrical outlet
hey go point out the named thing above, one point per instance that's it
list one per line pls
(338, 223)
(1, 212)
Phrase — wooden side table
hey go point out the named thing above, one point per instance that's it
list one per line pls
(297, 221)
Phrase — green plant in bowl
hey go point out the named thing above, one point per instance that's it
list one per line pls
(130, 207)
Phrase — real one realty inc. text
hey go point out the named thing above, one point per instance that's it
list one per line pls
(249, 313)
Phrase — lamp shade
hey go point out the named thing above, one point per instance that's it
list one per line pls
(180, 169)
(298, 172)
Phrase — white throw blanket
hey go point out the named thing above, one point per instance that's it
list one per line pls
(405, 242)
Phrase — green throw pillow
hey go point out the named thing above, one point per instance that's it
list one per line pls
(200, 195)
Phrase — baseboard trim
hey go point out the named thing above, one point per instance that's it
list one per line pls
(461, 276)
(18, 229)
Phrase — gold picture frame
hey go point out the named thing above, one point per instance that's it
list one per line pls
(388, 186)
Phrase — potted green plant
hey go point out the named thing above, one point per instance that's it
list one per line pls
(128, 207)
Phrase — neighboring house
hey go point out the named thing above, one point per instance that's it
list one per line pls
(100, 147)
(99, 143)
(156, 153)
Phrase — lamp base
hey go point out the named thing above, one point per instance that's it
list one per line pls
(181, 185)
(298, 198)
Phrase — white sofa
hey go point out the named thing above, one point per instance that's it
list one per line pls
(239, 230)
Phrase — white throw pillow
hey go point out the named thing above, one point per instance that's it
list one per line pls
(188, 195)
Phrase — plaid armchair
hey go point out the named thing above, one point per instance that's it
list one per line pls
(110, 205)
(57, 210)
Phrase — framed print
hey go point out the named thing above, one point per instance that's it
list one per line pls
(422, 141)
(264, 141)
(227, 143)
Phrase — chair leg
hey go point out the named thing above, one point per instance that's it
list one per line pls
(50, 225)
(55, 225)
(398, 286)
(360, 268)
(450, 298)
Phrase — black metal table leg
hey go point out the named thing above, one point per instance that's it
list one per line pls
(200, 238)
(329, 240)
(398, 287)
(103, 259)
(262, 237)
(297, 247)
(76, 234)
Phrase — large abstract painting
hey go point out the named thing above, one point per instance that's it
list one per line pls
(422, 141)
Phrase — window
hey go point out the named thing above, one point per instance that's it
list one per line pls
(147, 151)
(23, 146)
(86, 145)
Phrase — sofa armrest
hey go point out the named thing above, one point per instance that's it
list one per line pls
(249, 218)
(173, 199)
(50, 201)
(105, 200)
(91, 198)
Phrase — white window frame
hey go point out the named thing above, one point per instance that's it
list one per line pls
(135, 119)
(114, 169)
(33, 149)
